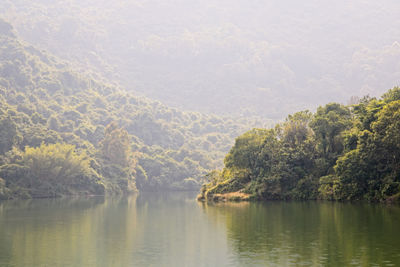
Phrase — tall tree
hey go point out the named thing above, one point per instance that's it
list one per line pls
(116, 146)
(8, 134)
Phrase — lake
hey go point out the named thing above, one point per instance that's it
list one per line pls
(173, 229)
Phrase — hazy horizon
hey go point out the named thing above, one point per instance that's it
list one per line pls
(257, 58)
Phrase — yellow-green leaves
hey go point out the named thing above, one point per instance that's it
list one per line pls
(59, 163)
(116, 146)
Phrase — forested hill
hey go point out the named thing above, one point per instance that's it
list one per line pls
(337, 153)
(44, 101)
(264, 58)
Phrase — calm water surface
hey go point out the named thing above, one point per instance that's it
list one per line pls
(173, 229)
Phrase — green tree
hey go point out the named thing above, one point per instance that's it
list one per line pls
(119, 162)
(328, 124)
(371, 170)
(58, 162)
(244, 154)
(116, 145)
(8, 134)
(50, 170)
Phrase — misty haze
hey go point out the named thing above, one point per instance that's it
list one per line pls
(260, 58)
(199, 133)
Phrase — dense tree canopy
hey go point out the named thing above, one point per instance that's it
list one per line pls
(50, 170)
(339, 152)
(44, 100)
(262, 58)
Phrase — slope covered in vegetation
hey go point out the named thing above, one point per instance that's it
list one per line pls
(338, 153)
(264, 58)
(122, 138)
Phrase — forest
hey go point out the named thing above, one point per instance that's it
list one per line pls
(337, 153)
(265, 58)
(66, 130)
(199, 133)
(76, 118)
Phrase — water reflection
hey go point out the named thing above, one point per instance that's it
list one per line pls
(65, 232)
(310, 233)
(177, 233)
(146, 230)
(172, 229)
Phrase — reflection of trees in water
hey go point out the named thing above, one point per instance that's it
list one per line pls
(149, 229)
(26, 226)
(163, 198)
(168, 229)
(51, 231)
(175, 233)
(310, 233)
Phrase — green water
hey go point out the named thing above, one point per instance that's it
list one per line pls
(174, 230)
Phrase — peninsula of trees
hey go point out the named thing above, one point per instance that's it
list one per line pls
(337, 153)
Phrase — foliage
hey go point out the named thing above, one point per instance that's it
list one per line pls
(372, 167)
(8, 134)
(118, 162)
(246, 59)
(4, 191)
(338, 153)
(46, 100)
(115, 146)
(51, 170)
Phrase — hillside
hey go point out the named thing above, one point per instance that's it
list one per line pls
(265, 58)
(45, 100)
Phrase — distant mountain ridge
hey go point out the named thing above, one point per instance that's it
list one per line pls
(259, 58)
